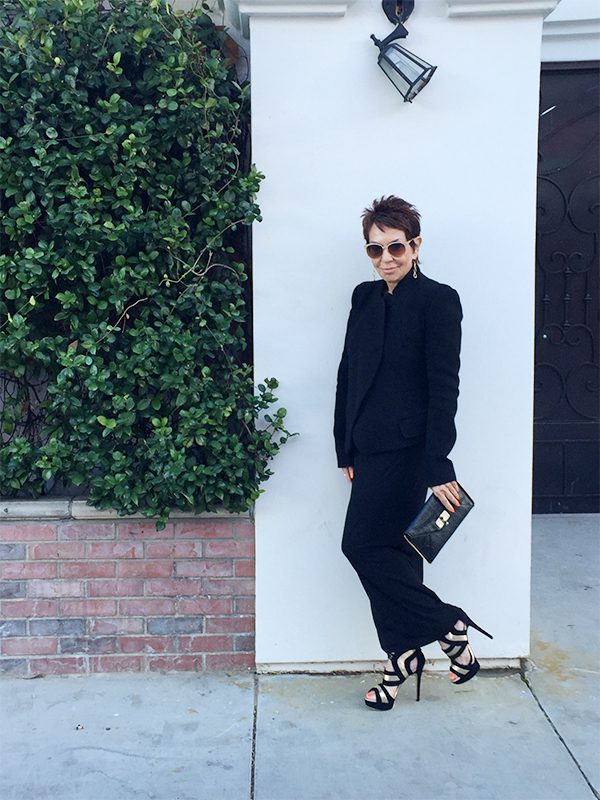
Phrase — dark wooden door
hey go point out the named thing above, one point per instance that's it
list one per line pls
(566, 455)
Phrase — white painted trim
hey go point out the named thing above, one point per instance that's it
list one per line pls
(240, 11)
(495, 8)
(79, 509)
(327, 667)
(562, 39)
(571, 27)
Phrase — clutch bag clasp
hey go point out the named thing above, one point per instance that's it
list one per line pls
(442, 519)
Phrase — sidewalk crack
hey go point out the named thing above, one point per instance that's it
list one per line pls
(253, 752)
(529, 685)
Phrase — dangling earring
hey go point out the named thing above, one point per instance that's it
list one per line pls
(414, 268)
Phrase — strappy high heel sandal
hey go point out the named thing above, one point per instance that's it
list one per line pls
(458, 642)
(400, 672)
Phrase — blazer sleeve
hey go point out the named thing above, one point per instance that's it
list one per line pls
(442, 353)
(344, 458)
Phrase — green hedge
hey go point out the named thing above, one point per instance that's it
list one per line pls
(126, 200)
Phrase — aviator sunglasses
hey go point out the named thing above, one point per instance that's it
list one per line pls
(395, 249)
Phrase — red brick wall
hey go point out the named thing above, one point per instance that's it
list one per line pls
(79, 596)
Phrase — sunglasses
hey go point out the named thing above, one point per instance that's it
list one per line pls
(395, 249)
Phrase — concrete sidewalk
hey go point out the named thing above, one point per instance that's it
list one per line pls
(204, 737)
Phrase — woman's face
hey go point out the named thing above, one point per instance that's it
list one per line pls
(393, 268)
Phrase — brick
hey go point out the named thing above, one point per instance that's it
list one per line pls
(55, 589)
(88, 569)
(173, 625)
(126, 588)
(242, 549)
(57, 627)
(230, 625)
(146, 607)
(24, 570)
(34, 646)
(29, 608)
(60, 550)
(173, 549)
(187, 663)
(145, 569)
(229, 661)
(86, 530)
(244, 605)
(12, 589)
(57, 666)
(201, 567)
(148, 644)
(88, 608)
(205, 529)
(116, 663)
(143, 530)
(85, 644)
(175, 587)
(16, 551)
(244, 568)
(243, 529)
(14, 666)
(18, 532)
(244, 643)
(13, 627)
(116, 625)
(228, 586)
(205, 644)
(205, 605)
(115, 549)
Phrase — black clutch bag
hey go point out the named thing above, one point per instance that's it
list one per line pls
(434, 525)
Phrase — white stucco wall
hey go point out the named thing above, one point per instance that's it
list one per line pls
(331, 133)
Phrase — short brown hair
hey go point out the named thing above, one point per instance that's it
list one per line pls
(392, 212)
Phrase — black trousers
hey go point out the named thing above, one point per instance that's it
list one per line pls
(387, 492)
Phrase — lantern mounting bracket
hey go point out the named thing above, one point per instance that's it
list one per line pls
(397, 11)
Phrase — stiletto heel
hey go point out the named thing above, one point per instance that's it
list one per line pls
(469, 622)
(458, 642)
(401, 670)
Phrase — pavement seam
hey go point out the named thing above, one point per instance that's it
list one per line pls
(527, 682)
(253, 752)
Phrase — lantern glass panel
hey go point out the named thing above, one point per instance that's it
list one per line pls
(397, 78)
(404, 62)
(420, 84)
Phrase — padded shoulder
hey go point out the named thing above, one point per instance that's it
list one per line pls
(439, 292)
(361, 291)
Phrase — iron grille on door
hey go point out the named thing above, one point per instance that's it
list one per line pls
(566, 431)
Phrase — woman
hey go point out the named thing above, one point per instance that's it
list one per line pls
(397, 391)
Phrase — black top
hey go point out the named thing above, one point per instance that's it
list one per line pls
(398, 376)
(376, 428)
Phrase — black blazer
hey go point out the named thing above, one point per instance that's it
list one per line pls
(428, 342)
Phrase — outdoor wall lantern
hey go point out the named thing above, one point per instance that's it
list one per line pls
(407, 72)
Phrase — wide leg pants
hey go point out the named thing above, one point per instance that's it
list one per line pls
(387, 492)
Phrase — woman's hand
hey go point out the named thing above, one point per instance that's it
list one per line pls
(349, 473)
(447, 493)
